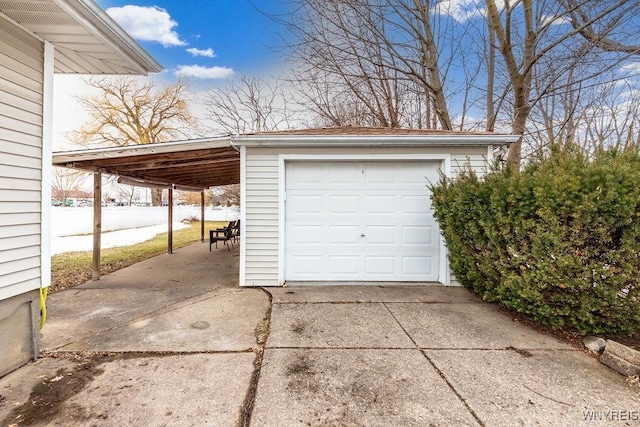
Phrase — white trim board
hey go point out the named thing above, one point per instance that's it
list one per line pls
(243, 216)
(47, 144)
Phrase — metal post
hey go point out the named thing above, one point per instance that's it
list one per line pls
(97, 224)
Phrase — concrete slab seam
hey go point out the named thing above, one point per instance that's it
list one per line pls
(498, 349)
(373, 302)
(339, 348)
(444, 378)
(246, 409)
(64, 353)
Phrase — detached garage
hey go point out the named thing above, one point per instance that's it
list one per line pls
(349, 205)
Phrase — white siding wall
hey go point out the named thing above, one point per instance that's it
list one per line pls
(21, 87)
(262, 198)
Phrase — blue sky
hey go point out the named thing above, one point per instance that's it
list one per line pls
(205, 39)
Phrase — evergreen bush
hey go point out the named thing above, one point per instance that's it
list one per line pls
(558, 242)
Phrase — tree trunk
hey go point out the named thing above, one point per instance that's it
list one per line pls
(156, 196)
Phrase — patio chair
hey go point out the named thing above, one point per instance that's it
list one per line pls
(221, 235)
(235, 233)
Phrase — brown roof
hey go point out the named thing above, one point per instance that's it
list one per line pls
(366, 131)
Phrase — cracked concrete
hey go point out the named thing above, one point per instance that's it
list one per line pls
(423, 356)
(155, 344)
(168, 341)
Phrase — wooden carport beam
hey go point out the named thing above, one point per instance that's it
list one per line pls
(170, 215)
(202, 216)
(97, 224)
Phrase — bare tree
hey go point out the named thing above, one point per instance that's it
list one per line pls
(379, 59)
(126, 112)
(65, 182)
(531, 41)
(248, 104)
(193, 198)
(231, 194)
(127, 193)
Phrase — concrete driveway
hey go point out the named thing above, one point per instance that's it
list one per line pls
(173, 341)
(421, 356)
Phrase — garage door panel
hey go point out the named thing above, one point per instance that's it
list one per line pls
(379, 173)
(416, 266)
(343, 265)
(416, 204)
(306, 234)
(417, 235)
(304, 175)
(379, 204)
(306, 204)
(307, 265)
(417, 176)
(343, 204)
(383, 266)
(342, 173)
(344, 234)
(380, 234)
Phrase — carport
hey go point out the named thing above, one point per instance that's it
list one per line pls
(192, 165)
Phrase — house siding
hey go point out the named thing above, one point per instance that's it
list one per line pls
(21, 129)
(262, 174)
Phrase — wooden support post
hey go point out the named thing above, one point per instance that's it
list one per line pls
(170, 233)
(202, 216)
(97, 224)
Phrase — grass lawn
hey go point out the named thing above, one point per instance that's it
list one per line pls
(74, 268)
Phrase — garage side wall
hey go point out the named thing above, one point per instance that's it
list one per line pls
(262, 192)
(21, 130)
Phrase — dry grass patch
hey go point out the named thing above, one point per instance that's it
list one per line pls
(74, 268)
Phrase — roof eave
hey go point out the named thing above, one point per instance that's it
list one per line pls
(96, 20)
(64, 157)
(371, 140)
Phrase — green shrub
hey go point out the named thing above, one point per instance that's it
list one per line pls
(558, 241)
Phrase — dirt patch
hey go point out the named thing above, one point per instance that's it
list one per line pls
(301, 366)
(262, 333)
(520, 351)
(48, 396)
(572, 338)
(302, 377)
(298, 327)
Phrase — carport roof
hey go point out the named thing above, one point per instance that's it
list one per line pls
(209, 162)
(191, 165)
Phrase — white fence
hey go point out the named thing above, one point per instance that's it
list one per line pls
(68, 221)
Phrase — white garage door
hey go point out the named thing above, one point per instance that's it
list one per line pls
(360, 221)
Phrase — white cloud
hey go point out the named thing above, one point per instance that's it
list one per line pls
(460, 10)
(554, 20)
(201, 72)
(147, 23)
(632, 67)
(464, 10)
(201, 52)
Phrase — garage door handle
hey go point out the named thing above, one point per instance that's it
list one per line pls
(363, 235)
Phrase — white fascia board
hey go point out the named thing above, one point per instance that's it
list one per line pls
(372, 140)
(102, 26)
(62, 157)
